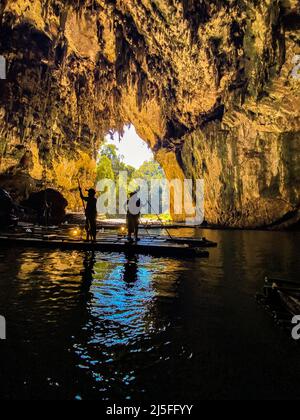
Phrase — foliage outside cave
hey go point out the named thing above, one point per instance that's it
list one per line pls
(111, 163)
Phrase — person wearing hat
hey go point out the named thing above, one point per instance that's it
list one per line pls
(133, 215)
(90, 213)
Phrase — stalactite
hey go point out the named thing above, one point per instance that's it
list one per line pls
(197, 78)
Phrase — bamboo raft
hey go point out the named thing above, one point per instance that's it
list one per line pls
(281, 298)
(146, 246)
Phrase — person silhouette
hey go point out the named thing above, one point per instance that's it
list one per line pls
(130, 274)
(88, 272)
(133, 215)
(91, 214)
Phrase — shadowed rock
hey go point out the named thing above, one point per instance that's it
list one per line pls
(50, 206)
(7, 209)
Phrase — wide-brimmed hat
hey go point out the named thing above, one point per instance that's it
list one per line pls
(91, 191)
(132, 193)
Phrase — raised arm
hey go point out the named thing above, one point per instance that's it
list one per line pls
(82, 196)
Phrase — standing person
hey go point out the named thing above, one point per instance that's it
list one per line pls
(133, 216)
(91, 214)
(46, 213)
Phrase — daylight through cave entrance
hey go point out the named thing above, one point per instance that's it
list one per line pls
(127, 161)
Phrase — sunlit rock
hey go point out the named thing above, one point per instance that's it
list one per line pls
(211, 86)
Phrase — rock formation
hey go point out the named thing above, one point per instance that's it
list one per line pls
(211, 85)
(6, 209)
(49, 206)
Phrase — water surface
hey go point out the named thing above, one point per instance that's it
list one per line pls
(113, 327)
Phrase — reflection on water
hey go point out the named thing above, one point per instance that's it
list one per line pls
(109, 326)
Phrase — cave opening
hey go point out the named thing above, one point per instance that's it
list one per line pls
(128, 161)
(132, 149)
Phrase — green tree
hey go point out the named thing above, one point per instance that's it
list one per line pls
(110, 151)
(105, 169)
(149, 170)
(110, 164)
(129, 169)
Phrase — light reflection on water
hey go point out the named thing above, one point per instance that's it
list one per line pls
(124, 290)
(109, 326)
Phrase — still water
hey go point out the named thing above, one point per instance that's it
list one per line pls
(111, 327)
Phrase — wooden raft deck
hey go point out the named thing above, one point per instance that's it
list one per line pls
(154, 247)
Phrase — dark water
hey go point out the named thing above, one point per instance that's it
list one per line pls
(83, 326)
